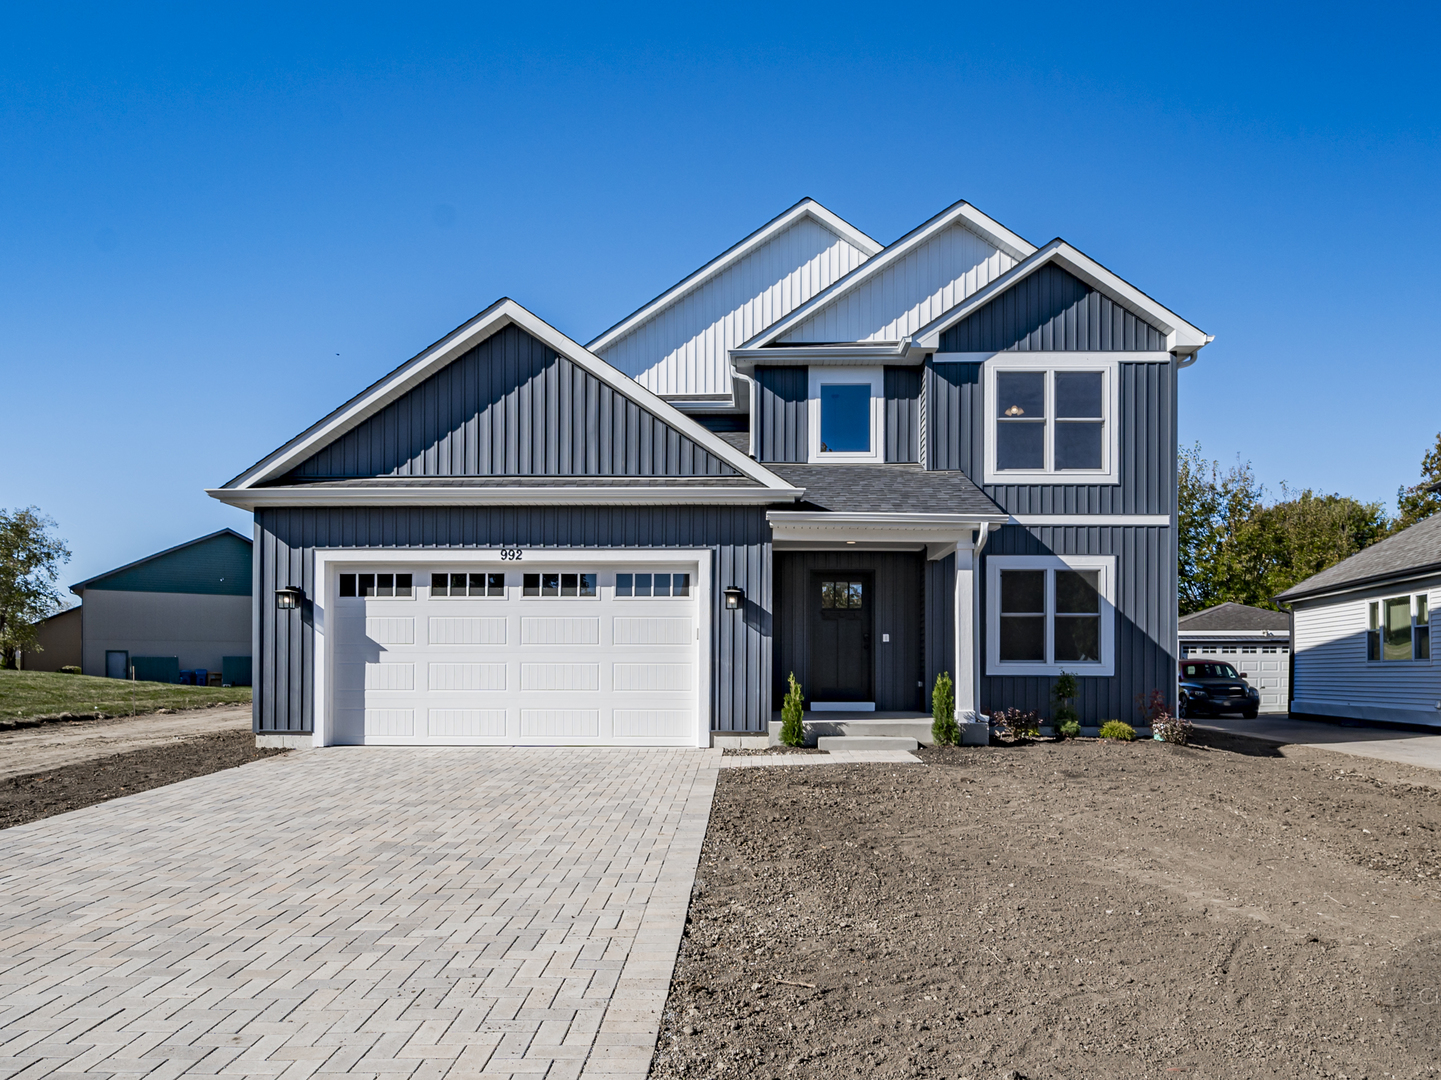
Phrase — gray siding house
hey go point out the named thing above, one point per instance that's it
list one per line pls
(862, 464)
(185, 608)
(1362, 633)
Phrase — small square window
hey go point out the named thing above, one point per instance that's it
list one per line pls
(403, 584)
(347, 584)
(477, 584)
(366, 583)
(569, 585)
(845, 418)
(625, 584)
(384, 584)
(680, 584)
(530, 585)
(439, 584)
(587, 584)
(662, 585)
(642, 584)
(549, 584)
(495, 585)
(457, 584)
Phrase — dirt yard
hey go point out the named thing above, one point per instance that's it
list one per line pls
(31, 795)
(1082, 910)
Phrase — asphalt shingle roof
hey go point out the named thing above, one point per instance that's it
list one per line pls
(1230, 618)
(886, 489)
(1412, 550)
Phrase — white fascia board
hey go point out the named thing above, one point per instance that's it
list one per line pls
(805, 208)
(495, 318)
(962, 213)
(252, 498)
(946, 530)
(1041, 520)
(889, 353)
(1181, 336)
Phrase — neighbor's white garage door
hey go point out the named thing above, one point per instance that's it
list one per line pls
(1268, 668)
(530, 655)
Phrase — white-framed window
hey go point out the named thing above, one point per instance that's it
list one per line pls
(559, 583)
(650, 585)
(1398, 628)
(847, 410)
(470, 584)
(388, 586)
(1050, 613)
(1052, 419)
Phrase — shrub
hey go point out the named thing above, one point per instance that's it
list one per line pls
(944, 729)
(1118, 729)
(1068, 729)
(70, 669)
(1171, 729)
(793, 732)
(1014, 724)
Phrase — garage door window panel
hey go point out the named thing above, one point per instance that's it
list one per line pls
(377, 586)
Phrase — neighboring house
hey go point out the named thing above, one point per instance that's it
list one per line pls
(1256, 641)
(184, 608)
(1362, 632)
(59, 639)
(862, 464)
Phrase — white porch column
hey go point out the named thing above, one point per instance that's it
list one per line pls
(975, 729)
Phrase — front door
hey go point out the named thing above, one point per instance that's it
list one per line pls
(840, 636)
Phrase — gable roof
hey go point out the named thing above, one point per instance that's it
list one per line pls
(1412, 552)
(1181, 336)
(257, 485)
(677, 343)
(960, 215)
(1234, 618)
(183, 569)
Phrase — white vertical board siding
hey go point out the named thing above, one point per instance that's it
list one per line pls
(684, 347)
(921, 286)
(1331, 667)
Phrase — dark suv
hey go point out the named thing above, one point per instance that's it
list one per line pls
(1212, 687)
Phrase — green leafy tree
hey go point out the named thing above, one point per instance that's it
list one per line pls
(30, 558)
(944, 729)
(1420, 501)
(1234, 546)
(793, 732)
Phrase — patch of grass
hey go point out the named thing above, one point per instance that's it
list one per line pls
(31, 695)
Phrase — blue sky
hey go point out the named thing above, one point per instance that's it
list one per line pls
(217, 225)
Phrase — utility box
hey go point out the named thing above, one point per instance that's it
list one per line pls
(235, 670)
(164, 669)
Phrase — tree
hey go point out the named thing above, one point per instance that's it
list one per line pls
(1420, 501)
(30, 558)
(1236, 547)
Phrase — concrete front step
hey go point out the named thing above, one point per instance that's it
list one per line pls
(866, 742)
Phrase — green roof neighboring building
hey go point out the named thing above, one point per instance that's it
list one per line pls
(218, 565)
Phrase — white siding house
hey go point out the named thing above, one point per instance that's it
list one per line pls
(1362, 633)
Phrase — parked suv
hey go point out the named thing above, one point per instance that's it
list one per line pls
(1212, 687)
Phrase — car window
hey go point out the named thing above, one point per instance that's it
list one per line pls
(1209, 671)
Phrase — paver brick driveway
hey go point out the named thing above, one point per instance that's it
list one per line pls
(362, 911)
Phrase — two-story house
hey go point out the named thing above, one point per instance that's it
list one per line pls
(862, 464)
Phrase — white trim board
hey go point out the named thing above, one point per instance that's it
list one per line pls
(961, 213)
(329, 560)
(1181, 336)
(251, 498)
(734, 254)
(495, 318)
(1045, 520)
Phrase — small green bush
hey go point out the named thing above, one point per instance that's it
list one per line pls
(1118, 729)
(793, 732)
(1062, 715)
(1068, 729)
(70, 669)
(944, 729)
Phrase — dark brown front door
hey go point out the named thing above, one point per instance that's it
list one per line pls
(840, 636)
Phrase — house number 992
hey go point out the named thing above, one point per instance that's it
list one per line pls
(511, 554)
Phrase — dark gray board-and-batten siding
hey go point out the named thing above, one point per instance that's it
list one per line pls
(738, 536)
(511, 407)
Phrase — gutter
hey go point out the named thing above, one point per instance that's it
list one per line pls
(253, 498)
(905, 351)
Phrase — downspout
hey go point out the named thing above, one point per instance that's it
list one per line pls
(752, 408)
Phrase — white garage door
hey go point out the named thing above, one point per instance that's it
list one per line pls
(1268, 668)
(532, 656)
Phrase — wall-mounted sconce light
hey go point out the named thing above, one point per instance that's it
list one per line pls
(734, 597)
(289, 597)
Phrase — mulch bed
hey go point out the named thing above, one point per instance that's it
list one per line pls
(40, 795)
(1081, 909)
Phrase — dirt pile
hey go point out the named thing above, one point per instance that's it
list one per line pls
(1066, 910)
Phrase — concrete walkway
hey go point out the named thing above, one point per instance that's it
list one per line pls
(70, 742)
(1385, 744)
(363, 912)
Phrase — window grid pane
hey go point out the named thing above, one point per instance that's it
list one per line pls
(495, 584)
(1396, 635)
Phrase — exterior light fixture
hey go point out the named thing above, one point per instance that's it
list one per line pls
(734, 596)
(289, 597)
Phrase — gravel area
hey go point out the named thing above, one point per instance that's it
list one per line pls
(1079, 909)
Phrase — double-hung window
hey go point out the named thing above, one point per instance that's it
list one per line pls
(1050, 613)
(1399, 628)
(1051, 421)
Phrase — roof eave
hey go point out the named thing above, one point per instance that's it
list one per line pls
(1291, 595)
(257, 498)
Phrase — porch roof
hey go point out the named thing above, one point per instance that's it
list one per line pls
(887, 489)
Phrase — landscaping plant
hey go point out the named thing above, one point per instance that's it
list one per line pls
(944, 729)
(1065, 718)
(1118, 729)
(1013, 724)
(793, 732)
